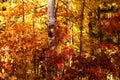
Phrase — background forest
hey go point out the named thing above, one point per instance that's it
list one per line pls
(59, 39)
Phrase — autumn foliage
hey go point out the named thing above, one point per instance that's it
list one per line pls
(25, 48)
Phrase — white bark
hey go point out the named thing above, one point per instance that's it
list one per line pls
(51, 18)
(51, 21)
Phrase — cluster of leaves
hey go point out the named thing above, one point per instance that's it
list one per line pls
(108, 53)
(115, 60)
(95, 67)
(110, 25)
(21, 42)
(24, 8)
(56, 62)
(59, 33)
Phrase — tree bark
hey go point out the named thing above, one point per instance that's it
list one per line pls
(51, 19)
(81, 25)
(51, 22)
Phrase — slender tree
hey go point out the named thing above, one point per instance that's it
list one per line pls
(81, 25)
(51, 21)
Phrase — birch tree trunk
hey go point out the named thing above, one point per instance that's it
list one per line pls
(51, 21)
(51, 18)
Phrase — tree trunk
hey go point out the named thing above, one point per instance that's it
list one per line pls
(51, 21)
(81, 25)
